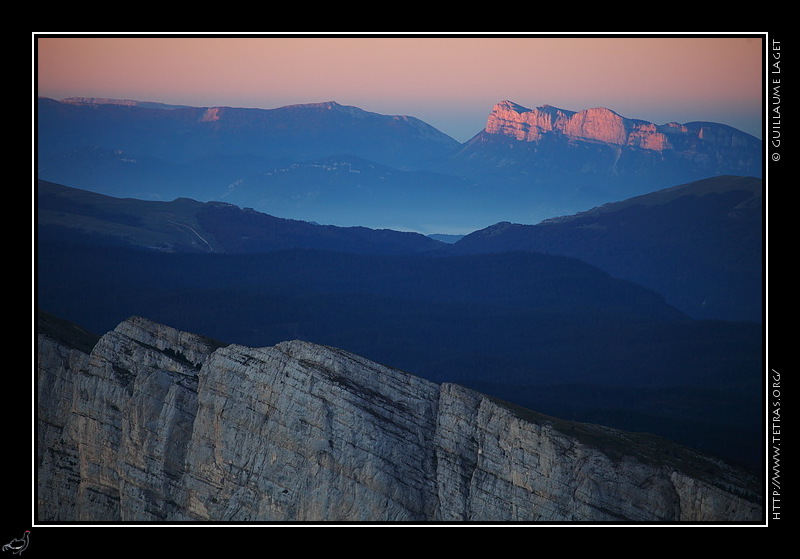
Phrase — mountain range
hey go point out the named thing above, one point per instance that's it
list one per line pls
(699, 245)
(607, 270)
(546, 331)
(341, 165)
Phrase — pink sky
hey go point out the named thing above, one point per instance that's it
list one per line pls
(449, 82)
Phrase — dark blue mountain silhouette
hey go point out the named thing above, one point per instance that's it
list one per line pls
(698, 244)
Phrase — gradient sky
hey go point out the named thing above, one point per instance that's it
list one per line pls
(447, 81)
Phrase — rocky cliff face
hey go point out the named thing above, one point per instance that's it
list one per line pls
(560, 162)
(154, 424)
(605, 126)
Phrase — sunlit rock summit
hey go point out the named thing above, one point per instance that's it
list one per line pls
(597, 124)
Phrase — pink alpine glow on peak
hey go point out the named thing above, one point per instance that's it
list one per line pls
(596, 124)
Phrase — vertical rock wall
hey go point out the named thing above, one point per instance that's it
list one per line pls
(160, 425)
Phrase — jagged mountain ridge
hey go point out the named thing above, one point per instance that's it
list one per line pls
(154, 424)
(257, 158)
(605, 126)
(576, 160)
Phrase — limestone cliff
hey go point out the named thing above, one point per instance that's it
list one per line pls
(154, 424)
(604, 126)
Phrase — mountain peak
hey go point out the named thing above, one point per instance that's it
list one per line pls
(328, 106)
(597, 125)
(507, 105)
(320, 105)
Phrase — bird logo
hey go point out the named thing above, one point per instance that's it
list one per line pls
(18, 545)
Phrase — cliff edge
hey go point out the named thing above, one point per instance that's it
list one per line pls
(155, 424)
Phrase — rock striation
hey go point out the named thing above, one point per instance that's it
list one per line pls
(604, 126)
(154, 424)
